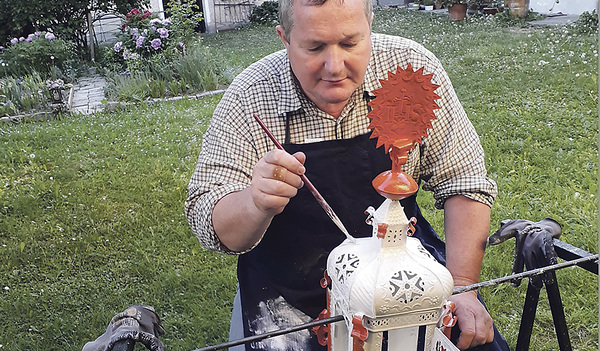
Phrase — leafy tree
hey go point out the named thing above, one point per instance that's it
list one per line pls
(66, 18)
(265, 13)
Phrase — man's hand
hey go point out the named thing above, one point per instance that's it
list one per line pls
(276, 179)
(473, 320)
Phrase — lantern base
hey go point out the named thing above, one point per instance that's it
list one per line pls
(395, 185)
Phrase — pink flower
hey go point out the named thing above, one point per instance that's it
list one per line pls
(49, 36)
(133, 12)
(14, 41)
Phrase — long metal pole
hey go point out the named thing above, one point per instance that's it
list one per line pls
(525, 274)
(455, 291)
(273, 333)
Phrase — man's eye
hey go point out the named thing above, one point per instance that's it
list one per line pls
(315, 49)
(348, 45)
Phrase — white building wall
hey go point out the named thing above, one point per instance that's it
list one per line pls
(156, 6)
(570, 7)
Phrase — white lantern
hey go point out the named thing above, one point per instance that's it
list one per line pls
(386, 283)
(388, 287)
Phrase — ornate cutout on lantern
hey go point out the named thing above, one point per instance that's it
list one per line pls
(388, 282)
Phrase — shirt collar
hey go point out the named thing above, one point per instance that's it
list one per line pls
(371, 82)
(289, 100)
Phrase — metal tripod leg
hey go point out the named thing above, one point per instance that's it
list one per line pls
(558, 314)
(527, 318)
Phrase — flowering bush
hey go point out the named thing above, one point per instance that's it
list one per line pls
(156, 58)
(67, 19)
(143, 36)
(38, 52)
(147, 38)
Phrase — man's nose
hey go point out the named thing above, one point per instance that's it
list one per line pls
(334, 60)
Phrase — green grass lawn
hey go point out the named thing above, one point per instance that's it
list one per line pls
(91, 207)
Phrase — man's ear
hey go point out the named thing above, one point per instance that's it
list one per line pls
(281, 34)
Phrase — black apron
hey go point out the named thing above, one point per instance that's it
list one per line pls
(290, 260)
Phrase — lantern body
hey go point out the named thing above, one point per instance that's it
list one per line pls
(56, 95)
(386, 283)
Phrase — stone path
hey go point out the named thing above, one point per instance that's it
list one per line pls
(88, 94)
(556, 20)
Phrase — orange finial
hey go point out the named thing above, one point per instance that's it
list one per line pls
(402, 112)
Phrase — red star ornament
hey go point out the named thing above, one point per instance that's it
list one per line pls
(401, 114)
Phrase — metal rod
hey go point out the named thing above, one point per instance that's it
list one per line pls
(569, 252)
(525, 274)
(456, 291)
(310, 186)
(273, 333)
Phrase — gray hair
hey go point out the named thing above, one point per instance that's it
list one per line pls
(286, 12)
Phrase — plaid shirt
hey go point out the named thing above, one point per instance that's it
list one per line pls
(449, 162)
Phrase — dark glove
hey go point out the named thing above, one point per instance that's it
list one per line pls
(138, 323)
(534, 246)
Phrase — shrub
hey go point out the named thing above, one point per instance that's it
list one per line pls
(587, 23)
(185, 18)
(39, 52)
(23, 95)
(265, 13)
(193, 72)
(67, 18)
(136, 69)
(145, 37)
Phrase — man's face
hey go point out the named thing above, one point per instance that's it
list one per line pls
(329, 49)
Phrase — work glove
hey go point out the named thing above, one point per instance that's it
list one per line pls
(534, 246)
(137, 323)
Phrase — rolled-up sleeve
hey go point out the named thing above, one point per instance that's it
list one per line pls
(453, 161)
(224, 166)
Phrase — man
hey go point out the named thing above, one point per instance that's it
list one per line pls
(247, 198)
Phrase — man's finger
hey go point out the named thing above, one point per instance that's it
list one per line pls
(279, 173)
(281, 158)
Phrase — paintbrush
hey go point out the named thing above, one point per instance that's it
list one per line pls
(334, 218)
